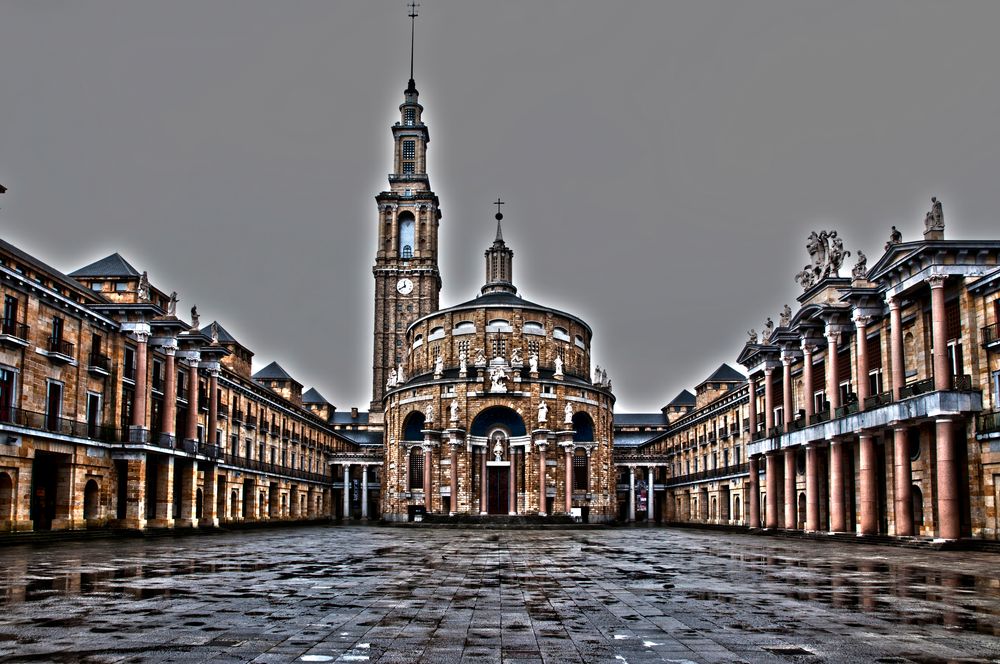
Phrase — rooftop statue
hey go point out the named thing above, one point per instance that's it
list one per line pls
(768, 330)
(195, 318)
(143, 291)
(172, 304)
(895, 237)
(214, 332)
(827, 253)
(752, 333)
(934, 221)
(860, 270)
(786, 316)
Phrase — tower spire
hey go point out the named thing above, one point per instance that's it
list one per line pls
(499, 218)
(499, 261)
(413, 21)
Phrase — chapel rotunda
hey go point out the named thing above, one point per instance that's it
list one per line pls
(495, 412)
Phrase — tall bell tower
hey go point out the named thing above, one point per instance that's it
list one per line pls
(407, 279)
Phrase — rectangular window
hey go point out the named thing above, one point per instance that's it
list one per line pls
(157, 375)
(819, 401)
(875, 382)
(95, 286)
(234, 444)
(93, 415)
(53, 405)
(121, 286)
(409, 116)
(57, 329)
(779, 416)
(955, 359)
(128, 363)
(846, 394)
(9, 313)
(7, 377)
(581, 481)
(416, 469)
(409, 149)
(408, 168)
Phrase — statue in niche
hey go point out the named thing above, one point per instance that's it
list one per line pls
(559, 366)
(142, 292)
(392, 379)
(568, 414)
(934, 221)
(533, 362)
(195, 318)
(860, 270)
(480, 358)
(543, 413)
(515, 358)
(768, 330)
(214, 332)
(786, 316)
(498, 446)
(752, 333)
(454, 410)
(497, 379)
(895, 237)
(438, 365)
(429, 413)
(463, 362)
(172, 304)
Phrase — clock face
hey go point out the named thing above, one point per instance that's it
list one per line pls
(404, 286)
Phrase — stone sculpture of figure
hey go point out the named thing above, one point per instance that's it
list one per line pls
(934, 221)
(195, 318)
(214, 332)
(515, 358)
(768, 330)
(753, 336)
(497, 378)
(559, 365)
(836, 256)
(463, 362)
(597, 375)
(454, 410)
(860, 270)
(568, 414)
(400, 376)
(895, 237)
(480, 358)
(391, 382)
(172, 304)
(543, 413)
(604, 378)
(142, 292)
(497, 450)
(438, 365)
(429, 413)
(533, 362)
(786, 316)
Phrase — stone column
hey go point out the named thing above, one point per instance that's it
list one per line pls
(347, 491)
(942, 370)
(164, 492)
(631, 494)
(211, 436)
(812, 487)
(428, 491)
(791, 522)
(169, 424)
(869, 485)
(395, 230)
(896, 347)
(541, 479)
(753, 481)
(838, 514)
(512, 482)
(484, 505)
(772, 461)
(364, 492)
(141, 378)
(209, 497)
(454, 476)
(861, 348)
(189, 493)
(904, 482)
(807, 379)
(650, 494)
(752, 405)
(949, 519)
(786, 387)
(832, 369)
(768, 401)
(569, 479)
(135, 492)
(193, 397)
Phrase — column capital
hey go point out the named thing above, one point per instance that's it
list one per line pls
(893, 302)
(808, 347)
(861, 319)
(936, 280)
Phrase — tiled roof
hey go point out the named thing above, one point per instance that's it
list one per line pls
(110, 266)
(635, 438)
(345, 418)
(685, 398)
(366, 437)
(726, 374)
(224, 336)
(638, 419)
(273, 371)
(311, 395)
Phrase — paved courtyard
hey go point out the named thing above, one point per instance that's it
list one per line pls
(377, 594)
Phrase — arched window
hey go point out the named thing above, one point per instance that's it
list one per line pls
(578, 340)
(91, 495)
(583, 427)
(436, 333)
(581, 471)
(531, 327)
(499, 325)
(416, 466)
(413, 425)
(464, 327)
(406, 235)
(234, 505)
(6, 498)
(560, 333)
(419, 341)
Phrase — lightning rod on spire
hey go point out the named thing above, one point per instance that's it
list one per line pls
(413, 20)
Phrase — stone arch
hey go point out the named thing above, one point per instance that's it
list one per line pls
(715, 509)
(6, 499)
(91, 500)
(413, 424)
(917, 498)
(583, 427)
(736, 508)
(800, 517)
(234, 504)
(198, 505)
(494, 416)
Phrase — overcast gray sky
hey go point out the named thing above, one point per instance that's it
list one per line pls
(663, 162)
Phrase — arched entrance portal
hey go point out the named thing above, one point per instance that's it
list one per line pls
(500, 459)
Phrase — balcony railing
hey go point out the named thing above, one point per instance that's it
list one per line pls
(846, 409)
(991, 334)
(60, 425)
(222, 411)
(264, 467)
(698, 476)
(98, 363)
(988, 423)
(822, 416)
(12, 329)
(877, 400)
(915, 388)
(962, 383)
(238, 416)
(60, 347)
(251, 421)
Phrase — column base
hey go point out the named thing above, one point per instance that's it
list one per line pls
(132, 524)
(185, 523)
(542, 514)
(160, 523)
(211, 522)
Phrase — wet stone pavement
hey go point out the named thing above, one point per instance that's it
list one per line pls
(379, 594)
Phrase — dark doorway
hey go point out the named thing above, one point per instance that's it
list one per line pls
(498, 479)
(45, 481)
